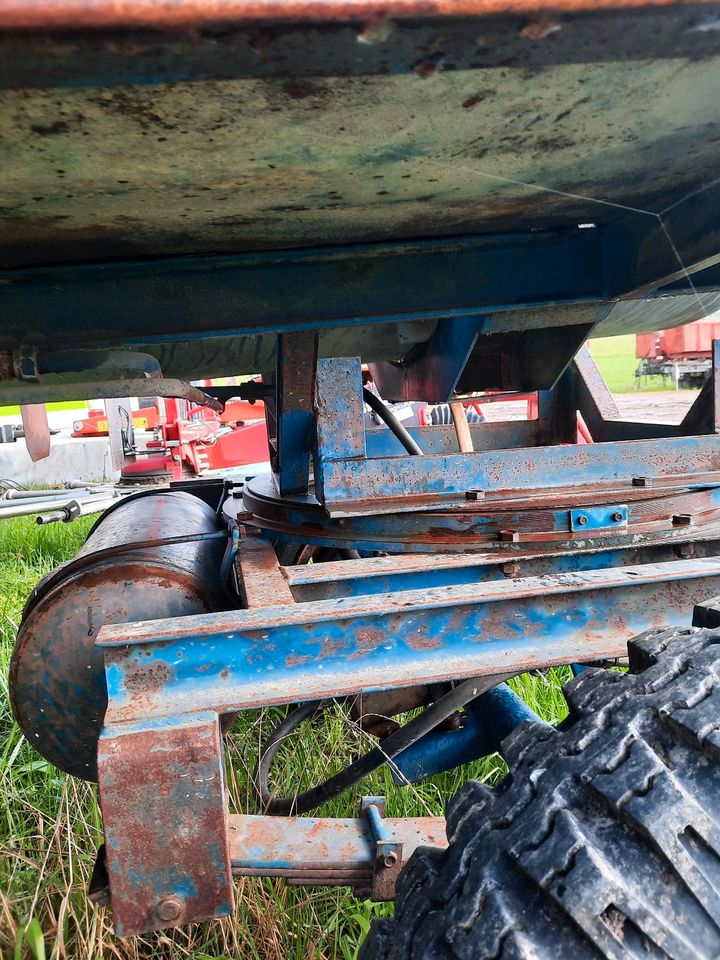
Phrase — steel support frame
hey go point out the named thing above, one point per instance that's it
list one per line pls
(160, 758)
(349, 482)
(304, 636)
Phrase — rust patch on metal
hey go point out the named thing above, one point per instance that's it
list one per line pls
(141, 679)
(160, 791)
(75, 14)
(368, 638)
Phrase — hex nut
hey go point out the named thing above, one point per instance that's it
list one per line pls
(169, 909)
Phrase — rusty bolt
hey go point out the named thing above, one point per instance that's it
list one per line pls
(582, 520)
(684, 551)
(169, 909)
(390, 859)
(682, 520)
(511, 569)
(617, 517)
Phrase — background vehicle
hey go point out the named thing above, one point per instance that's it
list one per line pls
(682, 355)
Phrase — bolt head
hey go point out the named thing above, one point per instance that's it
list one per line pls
(169, 909)
(582, 520)
(390, 859)
(617, 517)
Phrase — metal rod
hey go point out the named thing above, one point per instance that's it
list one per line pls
(28, 508)
(391, 421)
(74, 509)
(48, 494)
(462, 428)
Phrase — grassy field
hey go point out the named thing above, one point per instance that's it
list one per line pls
(50, 823)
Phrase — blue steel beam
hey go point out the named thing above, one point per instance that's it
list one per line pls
(164, 300)
(349, 484)
(312, 582)
(249, 658)
(355, 487)
(316, 288)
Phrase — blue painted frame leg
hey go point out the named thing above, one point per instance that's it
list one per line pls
(161, 789)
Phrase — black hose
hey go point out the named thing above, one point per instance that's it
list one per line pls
(362, 767)
(391, 421)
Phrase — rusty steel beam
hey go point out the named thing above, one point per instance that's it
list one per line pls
(261, 580)
(327, 852)
(76, 14)
(337, 647)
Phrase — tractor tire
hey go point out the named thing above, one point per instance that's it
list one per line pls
(604, 839)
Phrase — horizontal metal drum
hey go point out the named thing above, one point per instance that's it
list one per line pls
(57, 678)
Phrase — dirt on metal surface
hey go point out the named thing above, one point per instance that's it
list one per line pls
(126, 143)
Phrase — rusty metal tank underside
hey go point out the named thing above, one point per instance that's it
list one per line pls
(196, 178)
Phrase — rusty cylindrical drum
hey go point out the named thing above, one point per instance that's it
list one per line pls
(57, 678)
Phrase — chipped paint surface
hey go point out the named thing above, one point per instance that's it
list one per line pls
(161, 789)
(240, 659)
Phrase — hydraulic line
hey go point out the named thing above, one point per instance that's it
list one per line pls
(362, 767)
(391, 421)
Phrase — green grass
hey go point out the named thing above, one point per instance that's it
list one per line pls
(50, 824)
(13, 411)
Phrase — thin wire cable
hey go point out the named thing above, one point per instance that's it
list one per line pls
(605, 203)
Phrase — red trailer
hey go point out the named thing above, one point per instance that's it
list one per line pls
(683, 353)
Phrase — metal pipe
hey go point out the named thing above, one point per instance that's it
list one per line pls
(23, 392)
(391, 421)
(462, 428)
(488, 720)
(28, 508)
(74, 509)
(83, 484)
(47, 494)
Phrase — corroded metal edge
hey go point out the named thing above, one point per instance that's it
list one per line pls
(173, 14)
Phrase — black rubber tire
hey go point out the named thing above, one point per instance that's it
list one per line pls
(604, 839)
